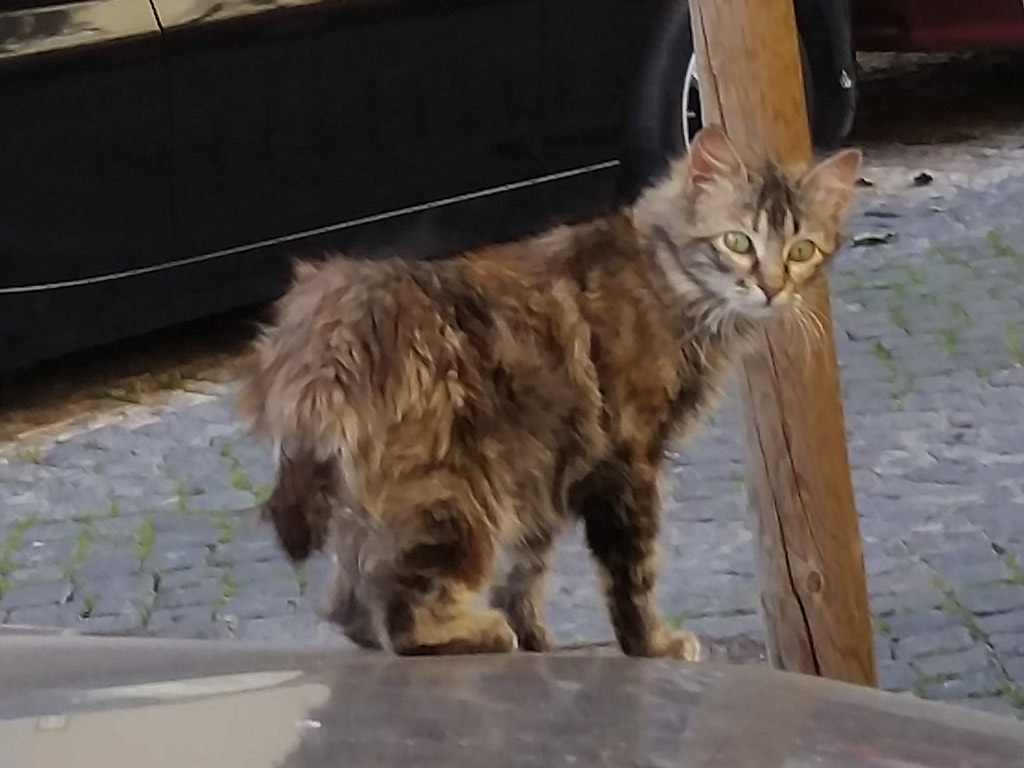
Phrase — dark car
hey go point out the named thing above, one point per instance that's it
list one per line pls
(161, 160)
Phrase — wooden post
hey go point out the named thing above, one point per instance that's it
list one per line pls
(813, 586)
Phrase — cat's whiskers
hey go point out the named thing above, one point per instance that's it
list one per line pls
(810, 324)
(800, 319)
(813, 315)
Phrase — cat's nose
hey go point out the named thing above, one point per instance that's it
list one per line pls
(771, 290)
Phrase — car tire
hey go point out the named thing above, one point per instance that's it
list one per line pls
(826, 40)
(656, 131)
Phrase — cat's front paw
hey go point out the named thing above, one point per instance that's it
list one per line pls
(535, 639)
(679, 644)
(467, 632)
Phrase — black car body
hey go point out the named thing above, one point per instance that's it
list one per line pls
(161, 161)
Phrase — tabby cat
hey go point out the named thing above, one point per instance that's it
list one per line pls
(433, 420)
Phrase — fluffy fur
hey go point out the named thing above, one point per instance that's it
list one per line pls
(433, 419)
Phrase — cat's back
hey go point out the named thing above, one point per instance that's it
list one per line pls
(339, 290)
(361, 318)
(346, 328)
(426, 358)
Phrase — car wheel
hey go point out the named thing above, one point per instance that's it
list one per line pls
(666, 112)
(689, 119)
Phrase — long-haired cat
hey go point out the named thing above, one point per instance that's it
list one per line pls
(435, 419)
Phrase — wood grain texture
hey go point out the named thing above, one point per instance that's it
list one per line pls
(810, 557)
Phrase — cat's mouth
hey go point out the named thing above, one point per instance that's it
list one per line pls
(779, 301)
(756, 303)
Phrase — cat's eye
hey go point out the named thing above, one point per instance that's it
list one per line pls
(802, 250)
(737, 242)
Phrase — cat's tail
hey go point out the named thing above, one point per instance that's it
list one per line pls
(296, 393)
(301, 503)
(306, 454)
(308, 444)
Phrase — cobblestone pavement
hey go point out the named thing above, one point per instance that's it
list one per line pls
(134, 521)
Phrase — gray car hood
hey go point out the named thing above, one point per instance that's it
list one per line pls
(94, 702)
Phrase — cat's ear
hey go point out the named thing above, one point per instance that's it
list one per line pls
(712, 158)
(829, 185)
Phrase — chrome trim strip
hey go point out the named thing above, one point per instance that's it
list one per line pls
(490, 191)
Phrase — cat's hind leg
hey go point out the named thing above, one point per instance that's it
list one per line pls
(620, 507)
(353, 615)
(347, 604)
(443, 555)
(520, 593)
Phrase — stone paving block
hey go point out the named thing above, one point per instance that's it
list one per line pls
(184, 529)
(228, 500)
(22, 503)
(36, 596)
(192, 577)
(128, 594)
(206, 594)
(285, 587)
(939, 538)
(47, 532)
(974, 683)
(908, 624)
(997, 598)
(1003, 440)
(34, 553)
(979, 574)
(896, 676)
(45, 616)
(929, 499)
(890, 605)
(251, 526)
(254, 605)
(129, 623)
(135, 497)
(1012, 622)
(264, 571)
(1001, 516)
(884, 650)
(165, 559)
(38, 574)
(107, 564)
(1011, 377)
(260, 472)
(967, 556)
(943, 473)
(945, 640)
(949, 664)
(246, 551)
(1007, 644)
(1015, 670)
(122, 527)
(290, 628)
(187, 623)
(914, 577)
(880, 564)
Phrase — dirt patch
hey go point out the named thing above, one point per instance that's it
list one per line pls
(147, 371)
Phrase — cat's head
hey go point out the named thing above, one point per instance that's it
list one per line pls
(750, 238)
